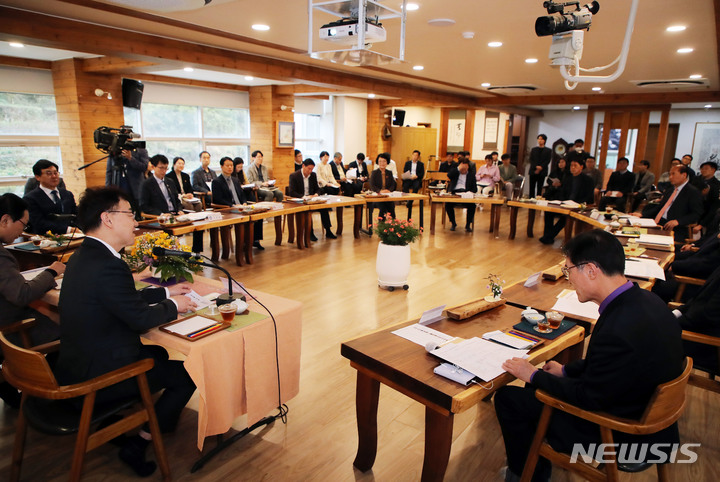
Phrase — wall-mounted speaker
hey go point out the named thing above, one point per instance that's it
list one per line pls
(132, 92)
(398, 117)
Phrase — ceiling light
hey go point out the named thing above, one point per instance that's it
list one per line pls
(260, 27)
(418, 67)
(468, 35)
(494, 44)
(675, 28)
(17, 45)
(685, 50)
(188, 69)
(371, 96)
(707, 106)
(577, 107)
(100, 93)
(696, 76)
(485, 84)
(249, 78)
(441, 22)
(411, 7)
(597, 89)
(531, 61)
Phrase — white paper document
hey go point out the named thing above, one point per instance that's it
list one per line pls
(191, 325)
(422, 335)
(642, 222)
(480, 357)
(467, 195)
(432, 315)
(351, 173)
(533, 279)
(656, 239)
(32, 273)
(568, 303)
(569, 203)
(200, 301)
(509, 340)
(644, 268)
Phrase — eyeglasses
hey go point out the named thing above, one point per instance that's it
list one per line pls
(25, 226)
(129, 213)
(566, 270)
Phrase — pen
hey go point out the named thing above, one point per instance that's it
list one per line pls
(523, 336)
(190, 335)
(212, 329)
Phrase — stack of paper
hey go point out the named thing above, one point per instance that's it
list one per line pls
(569, 304)
(657, 239)
(569, 203)
(480, 357)
(643, 268)
(422, 335)
(642, 222)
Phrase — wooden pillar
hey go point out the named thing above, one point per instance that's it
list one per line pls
(376, 123)
(79, 113)
(265, 112)
(662, 138)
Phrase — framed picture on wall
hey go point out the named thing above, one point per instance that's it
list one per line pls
(285, 134)
(706, 143)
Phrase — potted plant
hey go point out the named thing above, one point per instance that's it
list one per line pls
(393, 257)
(140, 256)
(495, 287)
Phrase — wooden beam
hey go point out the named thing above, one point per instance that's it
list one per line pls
(297, 89)
(49, 31)
(606, 99)
(163, 79)
(27, 63)
(662, 138)
(116, 65)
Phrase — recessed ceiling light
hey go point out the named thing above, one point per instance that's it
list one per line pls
(411, 7)
(675, 28)
(188, 69)
(468, 35)
(418, 67)
(17, 45)
(485, 84)
(531, 61)
(441, 22)
(371, 96)
(696, 76)
(261, 27)
(577, 107)
(597, 89)
(494, 44)
(249, 78)
(685, 50)
(707, 106)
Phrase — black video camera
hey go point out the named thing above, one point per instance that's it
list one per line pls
(113, 141)
(558, 21)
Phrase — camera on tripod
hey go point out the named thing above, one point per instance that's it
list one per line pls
(113, 141)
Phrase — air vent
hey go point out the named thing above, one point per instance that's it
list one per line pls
(661, 84)
(512, 89)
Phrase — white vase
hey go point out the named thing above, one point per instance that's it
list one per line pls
(491, 298)
(155, 273)
(393, 265)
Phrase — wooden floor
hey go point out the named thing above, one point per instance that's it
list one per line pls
(336, 282)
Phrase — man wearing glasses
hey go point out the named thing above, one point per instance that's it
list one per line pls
(635, 346)
(102, 316)
(51, 207)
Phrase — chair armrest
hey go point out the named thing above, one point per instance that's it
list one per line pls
(674, 305)
(689, 281)
(18, 326)
(219, 207)
(46, 348)
(701, 338)
(148, 216)
(103, 381)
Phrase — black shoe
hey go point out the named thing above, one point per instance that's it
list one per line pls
(452, 228)
(133, 454)
(468, 229)
(330, 235)
(545, 240)
(313, 237)
(257, 245)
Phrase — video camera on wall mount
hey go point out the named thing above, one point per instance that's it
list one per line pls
(113, 141)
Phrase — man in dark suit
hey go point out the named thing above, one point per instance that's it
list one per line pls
(579, 188)
(50, 207)
(203, 176)
(540, 157)
(679, 206)
(709, 186)
(619, 185)
(461, 180)
(303, 183)
(362, 171)
(158, 194)
(338, 170)
(298, 160)
(226, 190)
(128, 168)
(382, 181)
(635, 347)
(415, 169)
(102, 316)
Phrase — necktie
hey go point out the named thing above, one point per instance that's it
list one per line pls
(166, 193)
(259, 171)
(666, 206)
(236, 200)
(56, 199)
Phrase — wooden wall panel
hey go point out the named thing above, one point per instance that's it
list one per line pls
(376, 122)
(265, 112)
(406, 139)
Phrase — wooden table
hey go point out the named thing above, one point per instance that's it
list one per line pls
(494, 202)
(295, 215)
(403, 197)
(338, 203)
(382, 357)
(532, 209)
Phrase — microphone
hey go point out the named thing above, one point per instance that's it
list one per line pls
(158, 251)
(63, 217)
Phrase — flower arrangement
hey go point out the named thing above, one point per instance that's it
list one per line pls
(494, 284)
(141, 255)
(394, 232)
(58, 238)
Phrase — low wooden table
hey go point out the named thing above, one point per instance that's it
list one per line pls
(404, 197)
(532, 209)
(382, 357)
(495, 204)
(338, 203)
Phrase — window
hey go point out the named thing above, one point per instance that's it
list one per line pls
(308, 136)
(186, 130)
(28, 132)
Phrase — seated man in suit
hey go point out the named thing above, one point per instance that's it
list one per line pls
(102, 316)
(709, 186)
(594, 174)
(303, 183)
(413, 173)
(158, 194)
(51, 208)
(579, 188)
(203, 176)
(635, 347)
(508, 175)
(258, 174)
(644, 180)
(679, 206)
(382, 181)
(338, 171)
(619, 185)
(361, 169)
(461, 180)
(226, 190)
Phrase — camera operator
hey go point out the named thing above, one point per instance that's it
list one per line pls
(131, 166)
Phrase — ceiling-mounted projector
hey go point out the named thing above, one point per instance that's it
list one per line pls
(345, 31)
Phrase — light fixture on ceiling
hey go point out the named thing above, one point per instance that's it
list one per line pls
(17, 45)
(708, 106)
(371, 96)
(100, 93)
(685, 50)
(188, 69)
(577, 107)
(597, 89)
(249, 78)
(494, 44)
(260, 27)
(468, 35)
(485, 84)
(531, 61)
(696, 76)
(410, 7)
(675, 28)
(441, 22)
(418, 67)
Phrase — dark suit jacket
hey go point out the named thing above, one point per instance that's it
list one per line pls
(635, 347)
(540, 156)
(711, 202)
(16, 292)
(700, 314)
(454, 174)
(186, 184)
(700, 263)
(362, 169)
(296, 188)
(336, 170)
(221, 192)
(198, 181)
(135, 169)
(585, 191)
(41, 207)
(686, 208)
(376, 180)
(419, 169)
(102, 315)
(445, 167)
(152, 200)
(623, 182)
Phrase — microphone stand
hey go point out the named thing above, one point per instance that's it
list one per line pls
(224, 298)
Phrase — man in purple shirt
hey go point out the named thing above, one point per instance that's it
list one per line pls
(635, 346)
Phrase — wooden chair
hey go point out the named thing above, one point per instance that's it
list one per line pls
(664, 408)
(44, 406)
